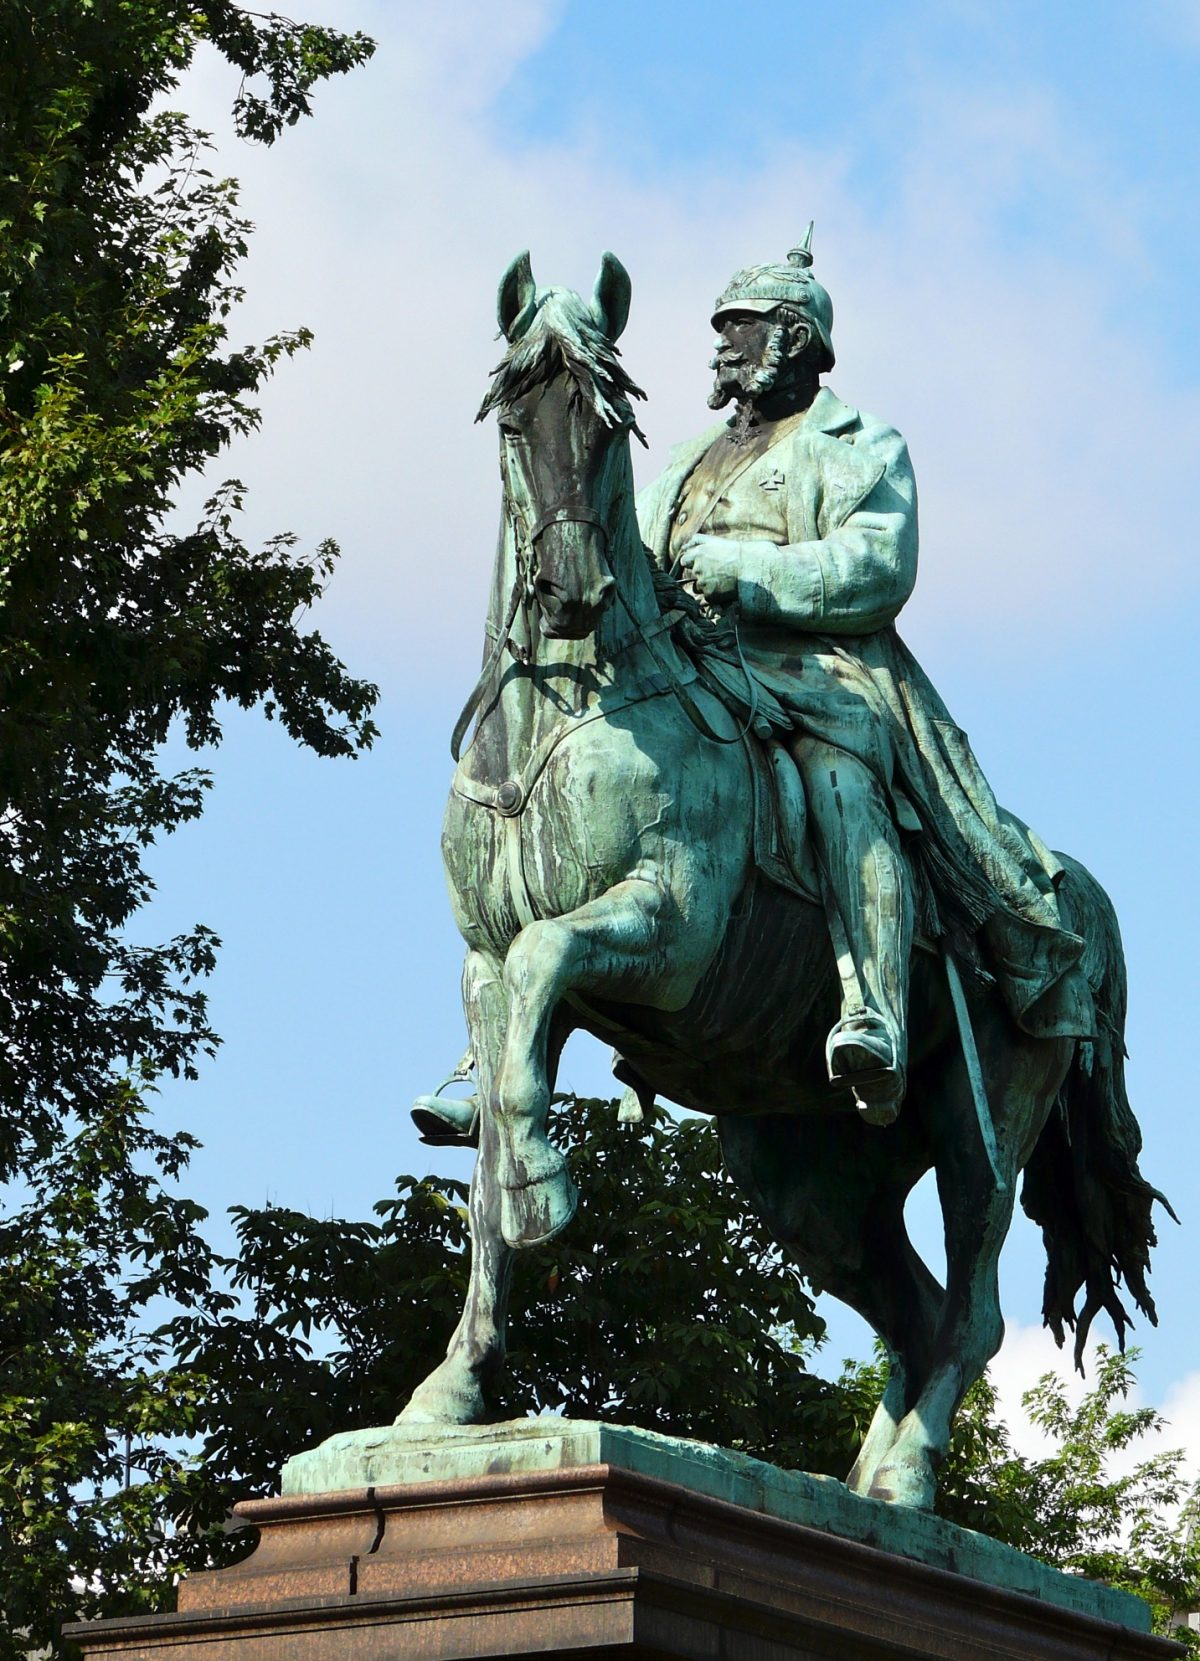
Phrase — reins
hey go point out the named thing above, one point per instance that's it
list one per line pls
(525, 538)
(688, 704)
(522, 592)
(565, 512)
(485, 674)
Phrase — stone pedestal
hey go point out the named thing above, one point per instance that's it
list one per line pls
(551, 1537)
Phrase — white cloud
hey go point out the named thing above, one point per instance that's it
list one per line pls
(1181, 1410)
(1050, 453)
(1028, 1352)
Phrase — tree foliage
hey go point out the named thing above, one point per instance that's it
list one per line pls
(118, 256)
(92, 1410)
(118, 250)
(666, 1304)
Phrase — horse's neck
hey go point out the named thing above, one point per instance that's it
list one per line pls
(634, 607)
(534, 696)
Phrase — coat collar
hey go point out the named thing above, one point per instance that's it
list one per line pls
(828, 414)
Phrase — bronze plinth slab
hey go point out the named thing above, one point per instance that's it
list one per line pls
(590, 1560)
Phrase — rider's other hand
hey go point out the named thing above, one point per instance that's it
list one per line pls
(711, 564)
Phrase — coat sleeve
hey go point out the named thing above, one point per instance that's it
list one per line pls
(855, 577)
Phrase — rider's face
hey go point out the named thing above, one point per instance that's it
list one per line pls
(741, 350)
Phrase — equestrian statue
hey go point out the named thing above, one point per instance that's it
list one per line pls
(712, 811)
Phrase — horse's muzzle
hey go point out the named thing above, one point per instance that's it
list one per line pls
(570, 616)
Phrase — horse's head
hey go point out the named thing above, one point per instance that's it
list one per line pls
(562, 399)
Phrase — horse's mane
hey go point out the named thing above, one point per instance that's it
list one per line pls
(563, 335)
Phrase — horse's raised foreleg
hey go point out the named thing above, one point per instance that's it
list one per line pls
(1023, 1076)
(623, 945)
(453, 1392)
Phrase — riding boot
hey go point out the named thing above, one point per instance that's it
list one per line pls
(869, 903)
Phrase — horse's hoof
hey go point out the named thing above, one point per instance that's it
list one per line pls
(903, 1485)
(537, 1211)
(443, 1401)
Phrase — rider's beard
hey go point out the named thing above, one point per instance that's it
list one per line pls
(731, 376)
(745, 382)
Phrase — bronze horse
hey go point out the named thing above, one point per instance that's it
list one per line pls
(601, 852)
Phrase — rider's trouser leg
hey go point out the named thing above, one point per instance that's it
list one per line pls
(870, 888)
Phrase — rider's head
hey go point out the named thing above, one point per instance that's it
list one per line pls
(776, 327)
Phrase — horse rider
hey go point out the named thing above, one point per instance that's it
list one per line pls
(800, 511)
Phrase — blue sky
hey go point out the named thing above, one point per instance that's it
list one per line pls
(1004, 197)
(677, 88)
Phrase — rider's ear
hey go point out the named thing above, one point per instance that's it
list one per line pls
(610, 297)
(514, 302)
(800, 336)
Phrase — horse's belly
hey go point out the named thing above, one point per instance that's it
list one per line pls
(752, 1037)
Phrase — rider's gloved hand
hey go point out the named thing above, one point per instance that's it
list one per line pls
(714, 565)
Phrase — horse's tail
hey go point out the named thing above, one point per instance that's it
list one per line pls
(1082, 1185)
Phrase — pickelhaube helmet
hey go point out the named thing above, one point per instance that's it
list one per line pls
(763, 288)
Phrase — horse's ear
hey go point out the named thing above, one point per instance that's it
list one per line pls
(610, 297)
(517, 294)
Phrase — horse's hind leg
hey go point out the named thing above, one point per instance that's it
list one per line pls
(453, 1392)
(1023, 1076)
(833, 1192)
(903, 1306)
(628, 944)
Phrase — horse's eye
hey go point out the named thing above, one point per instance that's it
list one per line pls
(510, 429)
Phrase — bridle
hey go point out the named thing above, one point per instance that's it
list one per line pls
(569, 511)
(573, 511)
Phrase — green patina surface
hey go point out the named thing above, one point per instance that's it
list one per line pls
(400, 1454)
(704, 795)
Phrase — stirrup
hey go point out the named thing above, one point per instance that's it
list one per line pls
(448, 1121)
(860, 1056)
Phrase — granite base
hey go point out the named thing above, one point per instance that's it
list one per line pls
(555, 1537)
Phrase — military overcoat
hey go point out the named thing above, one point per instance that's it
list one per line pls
(828, 512)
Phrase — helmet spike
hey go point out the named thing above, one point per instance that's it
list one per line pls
(801, 254)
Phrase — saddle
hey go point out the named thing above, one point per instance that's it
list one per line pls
(782, 850)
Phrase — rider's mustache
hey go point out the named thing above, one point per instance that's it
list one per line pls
(727, 357)
(734, 374)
